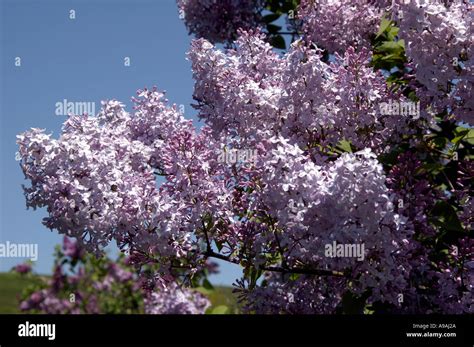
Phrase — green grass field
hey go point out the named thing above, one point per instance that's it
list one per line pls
(12, 284)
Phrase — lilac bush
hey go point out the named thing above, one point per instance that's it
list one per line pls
(356, 150)
(83, 284)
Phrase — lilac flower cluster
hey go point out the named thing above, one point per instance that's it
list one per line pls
(414, 195)
(286, 104)
(72, 249)
(336, 25)
(23, 268)
(450, 281)
(305, 295)
(219, 20)
(176, 300)
(97, 180)
(254, 93)
(345, 201)
(438, 39)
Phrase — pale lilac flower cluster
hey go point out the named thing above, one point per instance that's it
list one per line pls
(238, 91)
(174, 299)
(345, 201)
(305, 295)
(255, 94)
(115, 274)
(97, 180)
(340, 101)
(336, 25)
(438, 39)
(219, 20)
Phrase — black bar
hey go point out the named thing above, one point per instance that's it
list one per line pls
(243, 329)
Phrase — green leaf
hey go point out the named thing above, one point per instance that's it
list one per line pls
(203, 290)
(392, 33)
(219, 245)
(278, 42)
(440, 142)
(447, 217)
(383, 26)
(452, 222)
(221, 309)
(470, 137)
(458, 138)
(368, 310)
(270, 17)
(273, 29)
(433, 168)
(345, 146)
(392, 58)
(352, 304)
(254, 276)
(294, 277)
(392, 47)
(281, 6)
(206, 284)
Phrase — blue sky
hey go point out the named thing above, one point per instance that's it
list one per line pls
(81, 60)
